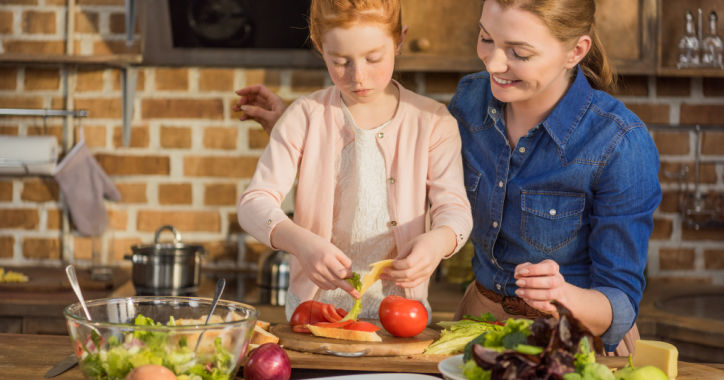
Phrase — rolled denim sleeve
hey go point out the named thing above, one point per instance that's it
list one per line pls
(627, 193)
(624, 316)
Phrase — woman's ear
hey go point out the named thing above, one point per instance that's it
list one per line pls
(579, 51)
(403, 35)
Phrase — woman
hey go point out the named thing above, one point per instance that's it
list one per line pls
(561, 177)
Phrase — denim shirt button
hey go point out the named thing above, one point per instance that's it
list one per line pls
(497, 286)
(495, 224)
(492, 110)
(500, 184)
(521, 149)
(492, 261)
(552, 212)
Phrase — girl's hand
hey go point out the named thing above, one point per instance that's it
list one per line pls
(324, 263)
(425, 253)
(539, 284)
(261, 105)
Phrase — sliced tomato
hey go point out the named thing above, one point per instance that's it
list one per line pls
(308, 312)
(301, 329)
(330, 313)
(342, 313)
(78, 348)
(334, 324)
(361, 326)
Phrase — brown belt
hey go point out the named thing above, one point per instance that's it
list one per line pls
(511, 305)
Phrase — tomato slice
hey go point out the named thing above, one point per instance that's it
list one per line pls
(301, 329)
(78, 348)
(330, 313)
(334, 324)
(362, 326)
(342, 313)
(308, 312)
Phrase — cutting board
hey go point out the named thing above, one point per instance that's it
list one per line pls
(390, 345)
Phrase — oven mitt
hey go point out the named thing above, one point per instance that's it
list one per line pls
(84, 184)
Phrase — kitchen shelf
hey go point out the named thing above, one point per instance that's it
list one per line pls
(112, 60)
(702, 72)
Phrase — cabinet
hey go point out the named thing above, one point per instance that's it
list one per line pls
(627, 29)
(443, 34)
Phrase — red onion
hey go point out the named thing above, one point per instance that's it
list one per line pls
(268, 362)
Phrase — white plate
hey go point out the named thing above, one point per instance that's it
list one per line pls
(380, 376)
(452, 368)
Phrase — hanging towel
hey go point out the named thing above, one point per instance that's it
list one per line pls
(84, 185)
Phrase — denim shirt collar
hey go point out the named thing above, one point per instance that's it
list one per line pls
(558, 123)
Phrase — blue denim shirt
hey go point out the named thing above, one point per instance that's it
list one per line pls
(580, 188)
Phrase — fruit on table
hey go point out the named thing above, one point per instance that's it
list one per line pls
(648, 372)
(151, 372)
(402, 317)
(656, 353)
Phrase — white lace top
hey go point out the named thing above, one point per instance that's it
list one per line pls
(361, 218)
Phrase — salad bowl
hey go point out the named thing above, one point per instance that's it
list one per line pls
(124, 334)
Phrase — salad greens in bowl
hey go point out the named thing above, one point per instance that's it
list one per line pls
(128, 333)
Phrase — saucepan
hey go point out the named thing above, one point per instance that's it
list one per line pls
(166, 268)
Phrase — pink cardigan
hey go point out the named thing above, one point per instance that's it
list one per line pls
(421, 147)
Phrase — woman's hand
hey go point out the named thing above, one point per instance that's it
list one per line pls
(261, 105)
(325, 264)
(539, 284)
(425, 253)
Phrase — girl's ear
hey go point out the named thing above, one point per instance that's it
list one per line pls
(579, 51)
(403, 34)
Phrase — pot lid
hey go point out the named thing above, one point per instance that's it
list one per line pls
(175, 248)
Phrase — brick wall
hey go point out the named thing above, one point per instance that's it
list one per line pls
(189, 157)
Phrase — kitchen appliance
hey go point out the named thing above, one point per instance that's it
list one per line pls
(274, 278)
(228, 33)
(168, 269)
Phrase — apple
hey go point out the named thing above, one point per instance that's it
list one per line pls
(648, 372)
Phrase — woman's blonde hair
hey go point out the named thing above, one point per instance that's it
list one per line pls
(568, 20)
(325, 15)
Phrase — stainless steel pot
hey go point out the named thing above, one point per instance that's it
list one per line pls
(166, 268)
(274, 279)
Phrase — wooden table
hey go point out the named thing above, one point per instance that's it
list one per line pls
(27, 356)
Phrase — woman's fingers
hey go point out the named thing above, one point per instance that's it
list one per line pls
(544, 268)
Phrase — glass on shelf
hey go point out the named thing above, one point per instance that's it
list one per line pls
(711, 49)
(689, 45)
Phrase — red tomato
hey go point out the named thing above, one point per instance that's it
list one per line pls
(402, 317)
(308, 312)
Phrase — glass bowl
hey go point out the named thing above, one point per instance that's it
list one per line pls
(127, 333)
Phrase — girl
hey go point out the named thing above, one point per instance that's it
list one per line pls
(371, 157)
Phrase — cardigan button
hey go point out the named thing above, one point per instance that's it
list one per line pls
(380, 135)
(393, 223)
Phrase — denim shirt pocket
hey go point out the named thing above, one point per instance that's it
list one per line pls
(550, 219)
(472, 181)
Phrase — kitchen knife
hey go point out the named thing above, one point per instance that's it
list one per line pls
(69, 362)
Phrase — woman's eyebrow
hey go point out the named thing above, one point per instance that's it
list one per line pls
(511, 43)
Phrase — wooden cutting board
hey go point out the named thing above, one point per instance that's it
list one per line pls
(390, 345)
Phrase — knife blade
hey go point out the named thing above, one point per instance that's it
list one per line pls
(69, 362)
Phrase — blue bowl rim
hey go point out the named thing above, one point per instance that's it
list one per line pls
(80, 318)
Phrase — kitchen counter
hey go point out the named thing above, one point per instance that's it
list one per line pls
(28, 356)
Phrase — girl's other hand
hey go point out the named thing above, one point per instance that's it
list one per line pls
(261, 105)
(539, 284)
(425, 253)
